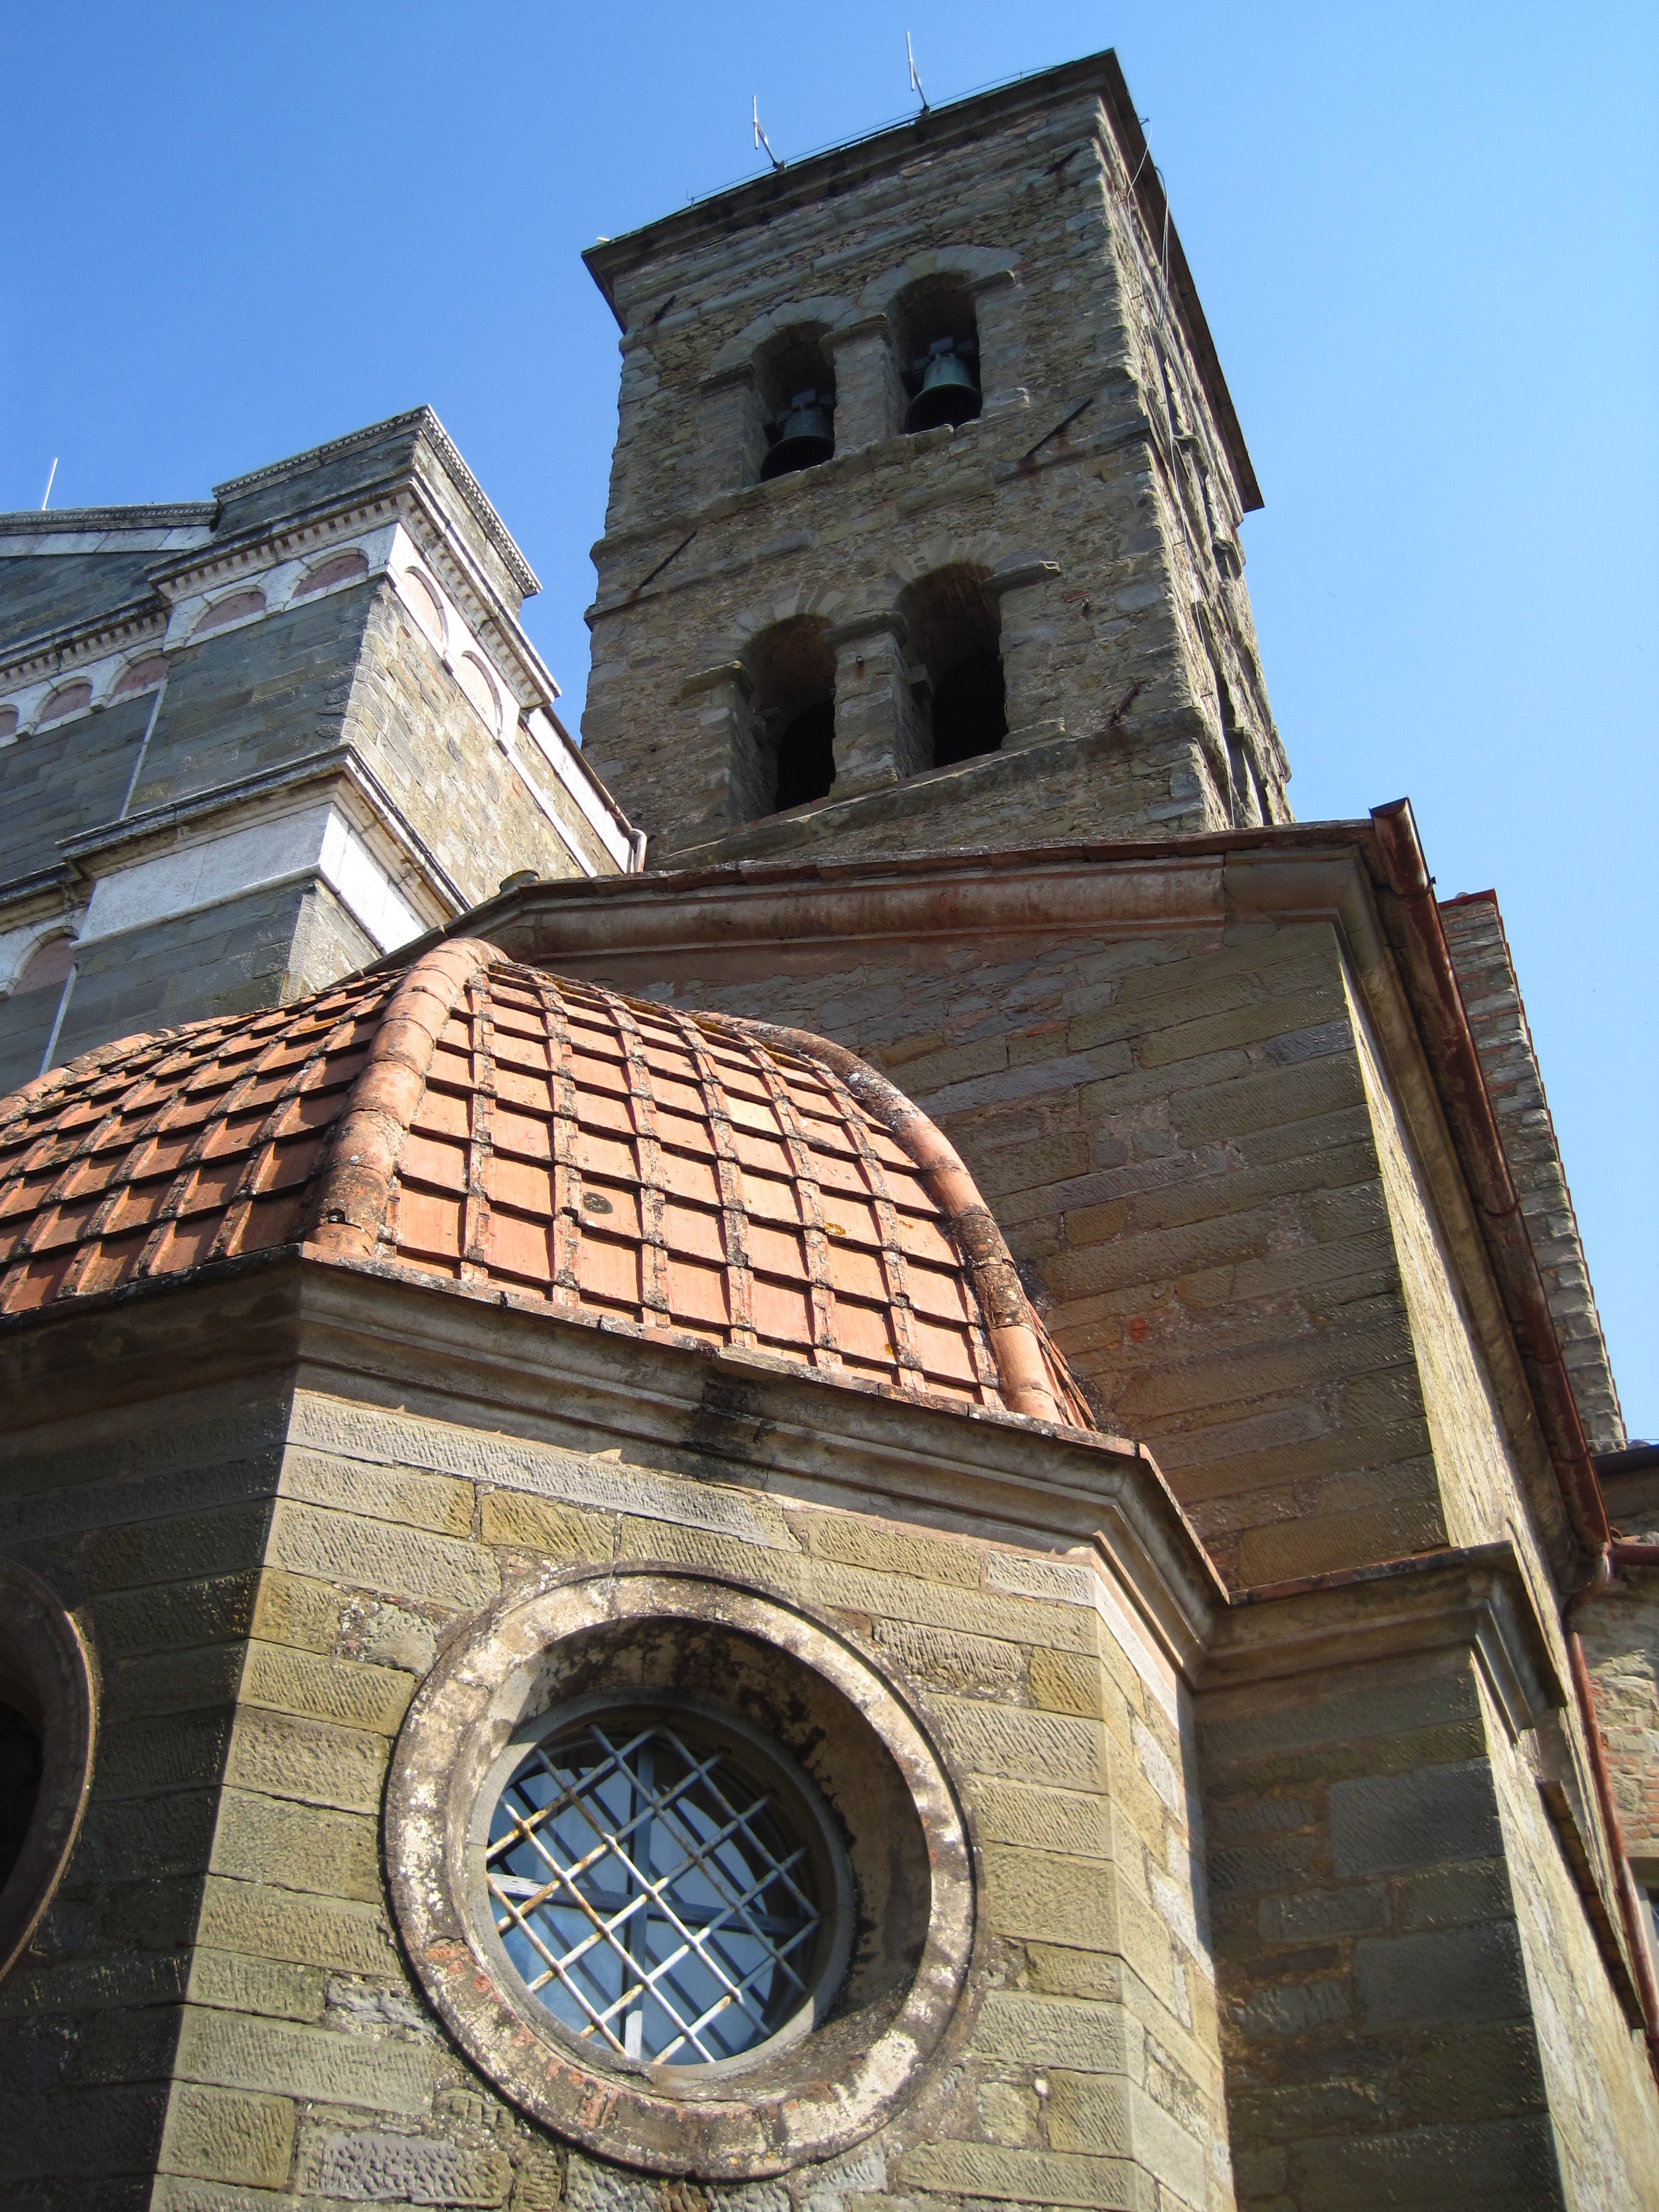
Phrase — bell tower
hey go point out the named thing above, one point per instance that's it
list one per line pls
(923, 526)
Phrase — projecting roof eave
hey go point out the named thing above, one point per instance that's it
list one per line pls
(961, 122)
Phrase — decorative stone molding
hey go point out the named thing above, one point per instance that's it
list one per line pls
(865, 1748)
(46, 1676)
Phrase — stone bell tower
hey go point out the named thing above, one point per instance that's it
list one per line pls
(924, 511)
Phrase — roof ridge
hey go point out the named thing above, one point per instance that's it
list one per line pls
(351, 1193)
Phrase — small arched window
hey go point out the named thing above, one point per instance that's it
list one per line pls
(338, 568)
(141, 674)
(955, 632)
(236, 608)
(797, 384)
(68, 699)
(8, 722)
(936, 333)
(793, 671)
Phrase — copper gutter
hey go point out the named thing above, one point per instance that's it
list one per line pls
(1420, 942)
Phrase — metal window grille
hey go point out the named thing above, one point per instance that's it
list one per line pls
(650, 1893)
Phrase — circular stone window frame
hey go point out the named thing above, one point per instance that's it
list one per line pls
(46, 1673)
(682, 2120)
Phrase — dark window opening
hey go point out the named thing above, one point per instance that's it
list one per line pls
(793, 679)
(937, 340)
(806, 756)
(955, 636)
(20, 1784)
(969, 710)
(797, 399)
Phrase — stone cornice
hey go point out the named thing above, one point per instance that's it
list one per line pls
(422, 422)
(1476, 1599)
(87, 521)
(508, 1365)
(71, 645)
(335, 767)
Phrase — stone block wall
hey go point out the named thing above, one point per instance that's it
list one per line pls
(460, 790)
(1414, 2006)
(153, 1534)
(261, 949)
(1621, 1636)
(219, 1998)
(1110, 546)
(1210, 1208)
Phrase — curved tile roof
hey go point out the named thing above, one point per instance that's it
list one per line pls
(482, 1124)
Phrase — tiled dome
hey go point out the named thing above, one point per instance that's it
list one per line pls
(483, 1124)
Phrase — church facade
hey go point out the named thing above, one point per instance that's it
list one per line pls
(878, 1478)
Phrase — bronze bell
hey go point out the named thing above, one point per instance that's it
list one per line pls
(948, 393)
(806, 435)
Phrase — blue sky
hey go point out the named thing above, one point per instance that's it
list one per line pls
(1427, 238)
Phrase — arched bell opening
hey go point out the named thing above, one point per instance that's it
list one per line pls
(797, 382)
(792, 675)
(955, 634)
(936, 336)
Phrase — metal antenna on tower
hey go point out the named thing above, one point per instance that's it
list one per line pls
(916, 82)
(47, 494)
(761, 138)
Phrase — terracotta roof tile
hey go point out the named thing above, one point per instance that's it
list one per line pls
(482, 1123)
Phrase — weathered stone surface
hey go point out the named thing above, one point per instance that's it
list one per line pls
(1386, 1824)
(228, 2136)
(275, 2056)
(367, 2166)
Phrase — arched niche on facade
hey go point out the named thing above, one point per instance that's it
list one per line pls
(954, 629)
(47, 1716)
(46, 965)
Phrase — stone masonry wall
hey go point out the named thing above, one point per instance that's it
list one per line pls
(1173, 1134)
(60, 782)
(301, 2056)
(446, 773)
(152, 1532)
(1140, 606)
(261, 949)
(1497, 1020)
(1621, 1636)
(1413, 2009)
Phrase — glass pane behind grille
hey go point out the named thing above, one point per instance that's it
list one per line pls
(650, 1892)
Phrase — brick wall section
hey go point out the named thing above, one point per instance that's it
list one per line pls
(1492, 999)
(1135, 505)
